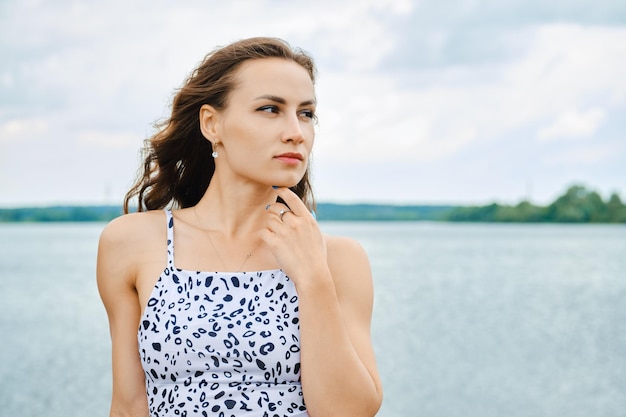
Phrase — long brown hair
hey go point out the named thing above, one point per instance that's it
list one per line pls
(177, 165)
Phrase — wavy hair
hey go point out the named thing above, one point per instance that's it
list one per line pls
(177, 164)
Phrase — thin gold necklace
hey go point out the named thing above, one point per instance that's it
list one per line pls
(208, 234)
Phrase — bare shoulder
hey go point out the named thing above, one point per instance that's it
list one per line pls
(130, 227)
(344, 249)
(350, 267)
(128, 242)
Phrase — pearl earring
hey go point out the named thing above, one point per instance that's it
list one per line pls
(215, 154)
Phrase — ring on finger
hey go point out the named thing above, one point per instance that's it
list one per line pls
(282, 213)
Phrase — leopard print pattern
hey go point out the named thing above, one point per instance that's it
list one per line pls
(221, 344)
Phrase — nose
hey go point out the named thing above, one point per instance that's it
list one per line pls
(293, 130)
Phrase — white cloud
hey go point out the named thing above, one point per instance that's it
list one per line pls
(573, 124)
(114, 140)
(378, 120)
(377, 117)
(95, 75)
(587, 155)
(19, 129)
(356, 50)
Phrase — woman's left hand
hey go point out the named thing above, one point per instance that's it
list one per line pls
(294, 237)
(335, 296)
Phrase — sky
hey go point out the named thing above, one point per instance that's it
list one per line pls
(420, 102)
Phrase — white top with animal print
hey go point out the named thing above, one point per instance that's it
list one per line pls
(221, 344)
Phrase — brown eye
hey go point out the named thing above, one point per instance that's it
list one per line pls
(309, 114)
(268, 109)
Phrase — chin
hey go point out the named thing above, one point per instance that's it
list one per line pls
(288, 182)
(286, 185)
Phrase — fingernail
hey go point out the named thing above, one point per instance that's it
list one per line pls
(267, 207)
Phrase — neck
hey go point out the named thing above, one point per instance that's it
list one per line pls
(234, 210)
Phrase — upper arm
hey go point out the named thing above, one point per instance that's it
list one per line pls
(349, 265)
(116, 273)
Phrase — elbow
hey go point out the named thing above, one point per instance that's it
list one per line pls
(365, 406)
(374, 404)
(379, 403)
(369, 406)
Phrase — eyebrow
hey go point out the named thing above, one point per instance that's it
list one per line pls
(281, 100)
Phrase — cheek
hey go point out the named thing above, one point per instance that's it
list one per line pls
(310, 144)
(309, 133)
(242, 140)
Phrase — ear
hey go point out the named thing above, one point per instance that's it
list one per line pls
(209, 118)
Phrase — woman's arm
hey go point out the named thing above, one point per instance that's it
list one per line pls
(335, 292)
(339, 375)
(116, 275)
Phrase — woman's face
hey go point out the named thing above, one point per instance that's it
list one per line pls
(266, 131)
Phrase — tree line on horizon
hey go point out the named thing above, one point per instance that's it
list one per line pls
(576, 205)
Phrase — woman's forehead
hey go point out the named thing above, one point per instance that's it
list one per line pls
(274, 76)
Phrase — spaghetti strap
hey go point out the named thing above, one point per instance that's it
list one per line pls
(170, 238)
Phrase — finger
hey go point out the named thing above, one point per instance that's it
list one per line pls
(279, 214)
(267, 236)
(283, 213)
(277, 208)
(292, 200)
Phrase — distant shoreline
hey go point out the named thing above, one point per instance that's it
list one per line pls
(577, 205)
(325, 212)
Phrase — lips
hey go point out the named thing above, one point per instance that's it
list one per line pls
(290, 158)
(291, 155)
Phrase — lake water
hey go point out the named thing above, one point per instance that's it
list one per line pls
(473, 320)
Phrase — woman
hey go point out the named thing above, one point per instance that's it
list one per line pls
(283, 329)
